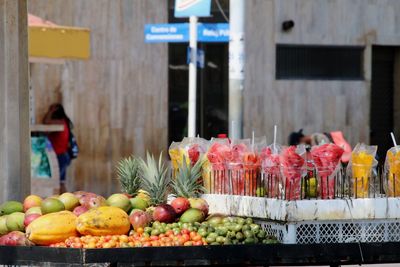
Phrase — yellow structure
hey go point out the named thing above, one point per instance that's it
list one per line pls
(50, 41)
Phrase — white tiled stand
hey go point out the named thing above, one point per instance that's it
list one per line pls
(317, 221)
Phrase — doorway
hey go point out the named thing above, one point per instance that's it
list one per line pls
(382, 98)
(212, 91)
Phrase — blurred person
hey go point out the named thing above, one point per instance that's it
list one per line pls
(315, 139)
(60, 140)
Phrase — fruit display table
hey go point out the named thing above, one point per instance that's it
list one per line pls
(244, 255)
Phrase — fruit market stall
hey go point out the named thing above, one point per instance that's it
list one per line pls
(222, 202)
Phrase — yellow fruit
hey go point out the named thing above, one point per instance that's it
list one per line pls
(104, 221)
(52, 228)
(143, 195)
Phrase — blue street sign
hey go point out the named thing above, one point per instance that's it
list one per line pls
(187, 8)
(179, 32)
(200, 57)
(213, 32)
(170, 33)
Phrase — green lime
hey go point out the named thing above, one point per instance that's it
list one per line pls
(246, 227)
(249, 220)
(239, 236)
(210, 239)
(241, 221)
(155, 232)
(261, 234)
(147, 229)
(220, 239)
(222, 231)
(255, 228)
(249, 240)
(248, 234)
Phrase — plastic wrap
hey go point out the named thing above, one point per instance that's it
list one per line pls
(392, 169)
(361, 165)
(293, 169)
(270, 166)
(218, 153)
(326, 159)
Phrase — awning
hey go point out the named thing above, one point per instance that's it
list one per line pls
(49, 42)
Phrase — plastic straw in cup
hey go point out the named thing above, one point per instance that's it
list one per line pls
(393, 139)
(275, 129)
(252, 141)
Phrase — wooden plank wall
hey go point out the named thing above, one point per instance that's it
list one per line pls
(118, 99)
(312, 105)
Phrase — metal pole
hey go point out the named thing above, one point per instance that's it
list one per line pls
(192, 77)
(236, 65)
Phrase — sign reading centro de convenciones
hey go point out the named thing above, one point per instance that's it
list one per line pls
(179, 32)
(187, 8)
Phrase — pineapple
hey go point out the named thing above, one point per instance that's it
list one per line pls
(188, 180)
(155, 179)
(128, 175)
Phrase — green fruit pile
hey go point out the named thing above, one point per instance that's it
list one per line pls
(234, 230)
(217, 231)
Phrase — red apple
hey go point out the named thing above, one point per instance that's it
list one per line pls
(180, 205)
(79, 210)
(30, 218)
(164, 213)
(32, 201)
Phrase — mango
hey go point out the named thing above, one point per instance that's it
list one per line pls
(192, 215)
(104, 220)
(11, 207)
(52, 228)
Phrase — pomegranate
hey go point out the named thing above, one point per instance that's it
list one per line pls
(30, 218)
(15, 238)
(140, 219)
(199, 203)
(164, 213)
(180, 205)
(79, 210)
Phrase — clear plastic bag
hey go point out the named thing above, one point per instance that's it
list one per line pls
(326, 159)
(270, 167)
(293, 169)
(361, 167)
(392, 171)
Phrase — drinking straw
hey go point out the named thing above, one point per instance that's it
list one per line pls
(393, 139)
(252, 141)
(275, 129)
(233, 130)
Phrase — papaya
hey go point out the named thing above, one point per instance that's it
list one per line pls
(52, 228)
(105, 220)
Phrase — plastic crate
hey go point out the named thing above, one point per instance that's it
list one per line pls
(315, 232)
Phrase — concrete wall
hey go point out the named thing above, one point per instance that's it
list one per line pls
(14, 101)
(313, 105)
(117, 100)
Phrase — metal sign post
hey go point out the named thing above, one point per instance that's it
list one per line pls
(236, 66)
(192, 9)
(192, 77)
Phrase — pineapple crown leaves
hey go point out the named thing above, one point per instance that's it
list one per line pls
(187, 182)
(155, 178)
(128, 175)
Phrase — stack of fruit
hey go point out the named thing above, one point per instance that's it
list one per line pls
(88, 220)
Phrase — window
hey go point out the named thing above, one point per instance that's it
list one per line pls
(306, 62)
